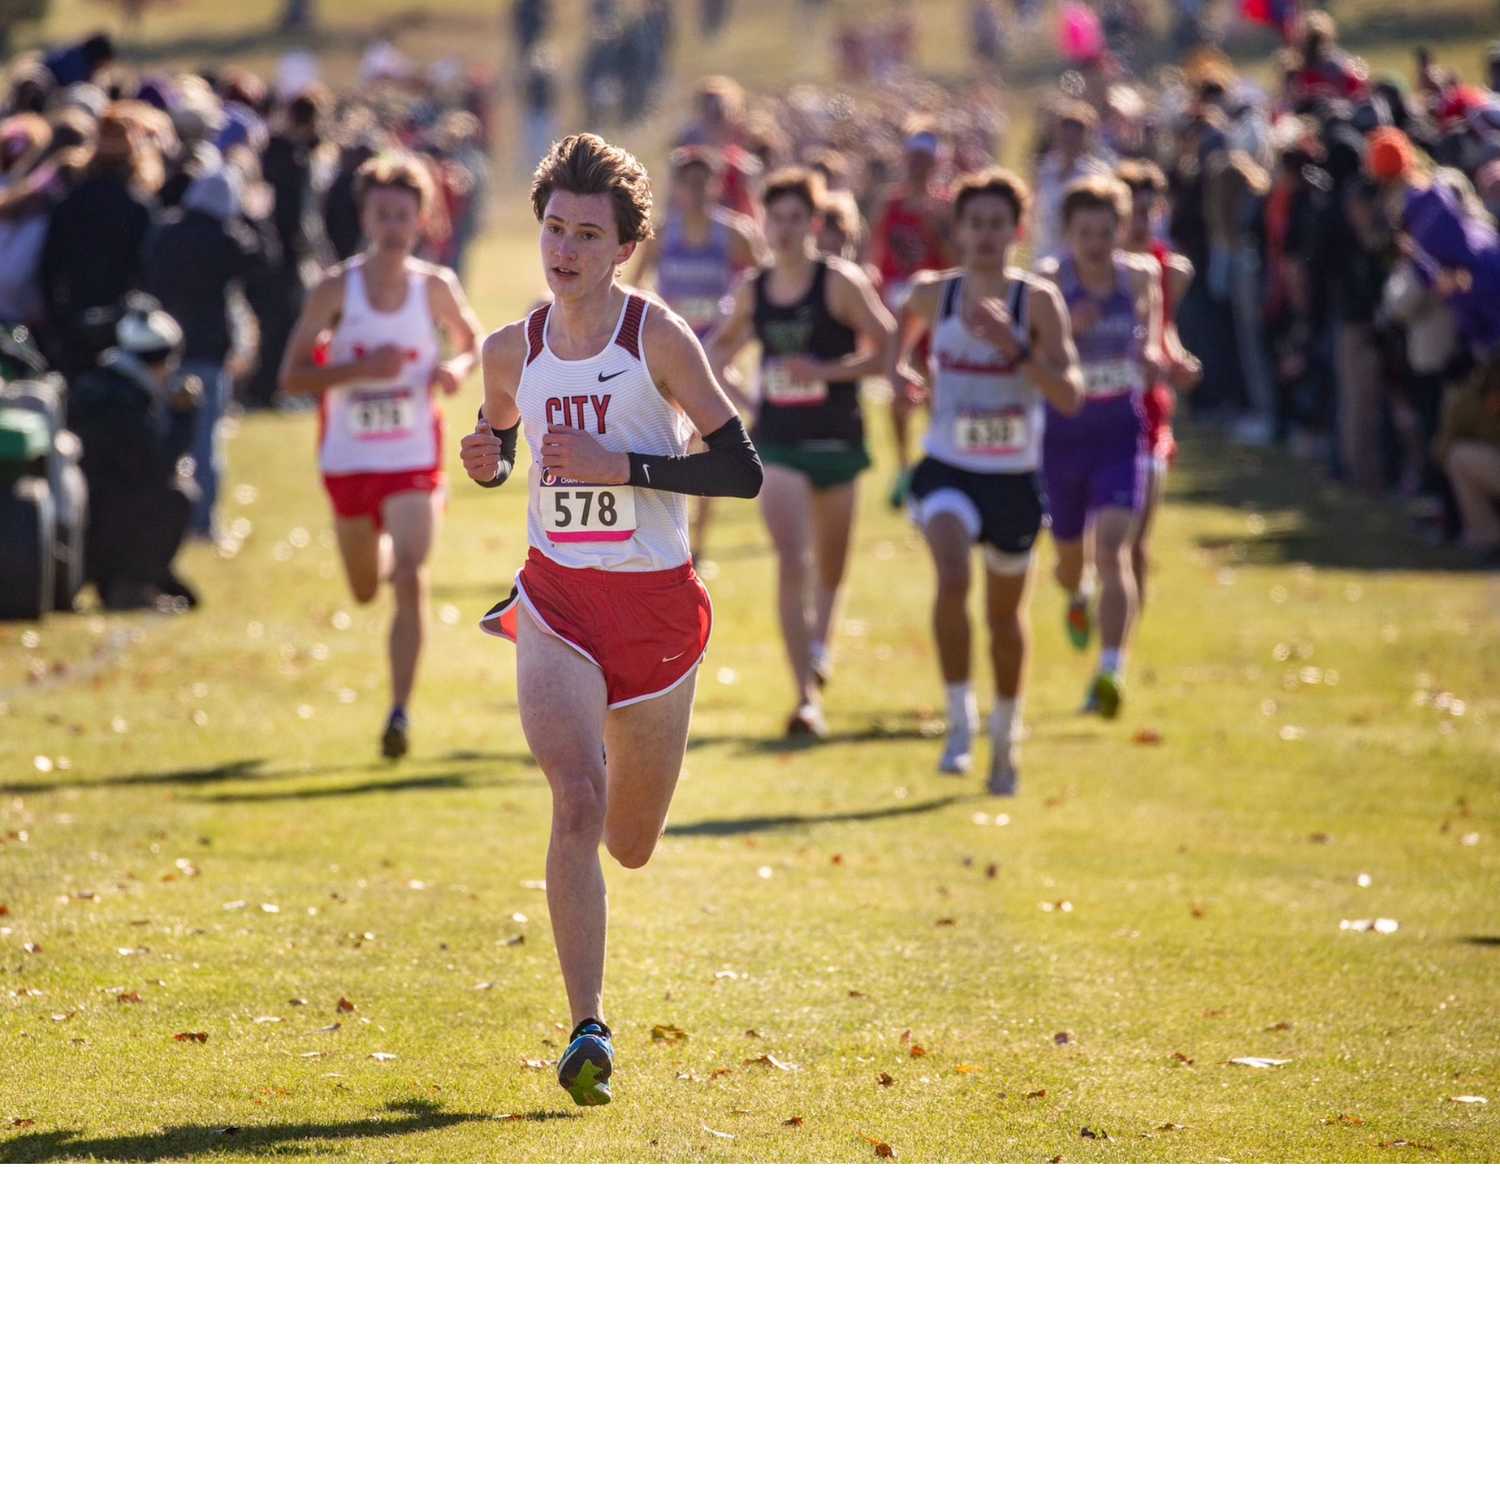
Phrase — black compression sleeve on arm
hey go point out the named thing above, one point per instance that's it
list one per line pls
(507, 436)
(731, 467)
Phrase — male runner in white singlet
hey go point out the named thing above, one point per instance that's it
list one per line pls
(1001, 348)
(609, 619)
(381, 445)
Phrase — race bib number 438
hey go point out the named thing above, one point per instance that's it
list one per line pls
(374, 415)
(588, 513)
(991, 433)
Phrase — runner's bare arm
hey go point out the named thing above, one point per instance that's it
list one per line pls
(1186, 371)
(731, 467)
(729, 338)
(852, 300)
(747, 247)
(1146, 282)
(451, 312)
(491, 448)
(918, 315)
(1052, 366)
(301, 375)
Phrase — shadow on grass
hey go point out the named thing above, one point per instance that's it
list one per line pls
(1308, 517)
(724, 827)
(254, 771)
(406, 1117)
(1482, 940)
(884, 728)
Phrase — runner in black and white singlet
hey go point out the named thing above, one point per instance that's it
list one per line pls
(1001, 349)
(609, 620)
(821, 330)
(702, 251)
(368, 345)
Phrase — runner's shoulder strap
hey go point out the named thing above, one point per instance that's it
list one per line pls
(951, 295)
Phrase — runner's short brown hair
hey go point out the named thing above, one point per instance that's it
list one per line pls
(1142, 176)
(1095, 192)
(588, 165)
(991, 182)
(396, 169)
(794, 182)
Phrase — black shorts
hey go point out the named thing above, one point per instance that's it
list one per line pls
(1003, 512)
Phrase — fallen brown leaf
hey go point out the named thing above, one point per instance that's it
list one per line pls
(1146, 737)
(1169, 1126)
(991, 871)
(966, 1068)
(795, 1120)
(1063, 1038)
(1090, 1134)
(190, 1036)
(672, 1035)
(946, 922)
(1414, 1145)
(334, 1027)
(1198, 909)
(1343, 1120)
(345, 1004)
(1280, 1026)
(1037, 1094)
(882, 1148)
(131, 997)
(721, 1072)
(918, 1050)
(516, 941)
(884, 1080)
(750, 1031)
(535, 1064)
(20, 1124)
(1183, 1058)
(765, 1060)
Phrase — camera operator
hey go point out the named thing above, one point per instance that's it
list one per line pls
(134, 414)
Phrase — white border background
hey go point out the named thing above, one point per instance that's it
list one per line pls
(728, 1332)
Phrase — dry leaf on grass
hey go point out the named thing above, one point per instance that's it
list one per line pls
(1037, 1094)
(721, 1072)
(20, 1124)
(383, 1056)
(669, 1034)
(965, 1068)
(1146, 737)
(795, 1120)
(268, 1020)
(918, 1050)
(1413, 1145)
(884, 1080)
(1259, 1062)
(334, 1027)
(1467, 1099)
(130, 997)
(535, 1064)
(1370, 924)
(1343, 1120)
(1064, 1038)
(345, 1004)
(1090, 1134)
(721, 1135)
(765, 1060)
(190, 1036)
(1183, 1058)
(882, 1148)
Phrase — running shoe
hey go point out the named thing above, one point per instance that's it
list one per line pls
(585, 1067)
(900, 489)
(1079, 621)
(396, 740)
(1107, 694)
(807, 723)
(1005, 776)
(958, 753)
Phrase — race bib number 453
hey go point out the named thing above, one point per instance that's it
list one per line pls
(991, 433)
(588, 513)
(375, 415)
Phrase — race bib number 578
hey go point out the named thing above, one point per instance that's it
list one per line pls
(376, 415)
(588, 513)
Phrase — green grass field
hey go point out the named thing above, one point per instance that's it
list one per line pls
(198, 838)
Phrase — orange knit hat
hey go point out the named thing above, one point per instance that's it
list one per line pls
(1388, 153)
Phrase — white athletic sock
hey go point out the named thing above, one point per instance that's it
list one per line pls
(1112, 659)
(1005, 721)
(962, 707)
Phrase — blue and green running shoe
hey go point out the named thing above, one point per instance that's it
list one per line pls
(1078, 620)
(584, 1069)
(1107, 694)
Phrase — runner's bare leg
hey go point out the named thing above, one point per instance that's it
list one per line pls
(833, 532)
(562, 703)
(411, 522)
(785, 502)
(646, 743)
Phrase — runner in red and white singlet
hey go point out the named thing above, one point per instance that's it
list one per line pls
(1148, 190)
(368, 345)
(609, 619)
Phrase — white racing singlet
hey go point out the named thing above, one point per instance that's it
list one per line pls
(985, 417)
(611, 396)
(383, 426)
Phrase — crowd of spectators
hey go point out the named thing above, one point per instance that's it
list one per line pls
(219, 196)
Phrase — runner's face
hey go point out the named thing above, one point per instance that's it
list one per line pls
(1091, 235)
(392, 220)
(690, 190)
(789, 221)
(985, 231)
(1143, 207)
(581, 248)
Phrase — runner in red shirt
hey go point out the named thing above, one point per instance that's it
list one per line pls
(911, 233)
(1148, 187)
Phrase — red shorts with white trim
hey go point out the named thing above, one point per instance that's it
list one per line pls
(365, 494)
(644, 631)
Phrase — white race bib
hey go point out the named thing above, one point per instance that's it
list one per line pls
(782, 389)
(1110, 377)
(379, 416)
(992, 434)
(587, 512)
(699, 313)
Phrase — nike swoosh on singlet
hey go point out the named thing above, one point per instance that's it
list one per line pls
(603, 377)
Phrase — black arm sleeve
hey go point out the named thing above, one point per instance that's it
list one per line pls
(730, 467)
(507, 436)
